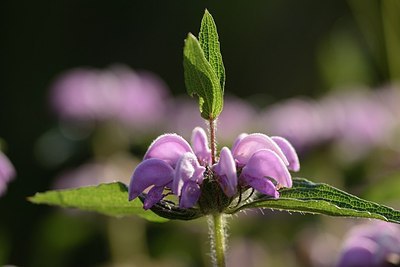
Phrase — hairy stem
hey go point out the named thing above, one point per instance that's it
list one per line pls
(213, 142)
(216, 224)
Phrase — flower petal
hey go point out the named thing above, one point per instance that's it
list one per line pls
(238, 139)
(153, 196)
(266, 163)
(263, 185)
(226, 170)
(149, 172)
(168, 147)
(187, 168)
(200, 146)
(190, 194)
(250, 144)
(289, 151)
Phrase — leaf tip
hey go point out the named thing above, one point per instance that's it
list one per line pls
(33, 199)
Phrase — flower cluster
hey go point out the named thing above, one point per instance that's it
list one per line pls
(170, 163)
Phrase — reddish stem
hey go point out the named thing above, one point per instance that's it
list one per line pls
(213, 143)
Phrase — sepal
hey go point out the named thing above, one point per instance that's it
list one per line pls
(171, 211)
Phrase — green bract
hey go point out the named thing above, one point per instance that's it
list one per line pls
(203, 68)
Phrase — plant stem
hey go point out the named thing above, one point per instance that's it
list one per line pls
(216, 224)
(213, 142)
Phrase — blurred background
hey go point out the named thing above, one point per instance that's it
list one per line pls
(86, 86)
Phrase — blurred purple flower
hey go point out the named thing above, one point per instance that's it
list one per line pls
(135, 99)
(117, 167)
(170, 163)
(371, 245)
(295, 119)
(355, 120)
(362, 120)
(236, 117)
(249, 253)
(186, 116)
(7, 173)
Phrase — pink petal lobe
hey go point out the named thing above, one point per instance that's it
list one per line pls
(266, 163)
(149, 172)
(200, 146)
(168, 147)
(238, 139)
(289, 151)
(250, 144)
(226, 170)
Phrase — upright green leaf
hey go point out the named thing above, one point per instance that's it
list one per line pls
(201, 80)
(308, 197)
(109, 199)
(208, 38)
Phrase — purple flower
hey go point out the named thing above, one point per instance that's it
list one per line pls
(170, 163)
(7, 172)
(371, 245)
(265, 162)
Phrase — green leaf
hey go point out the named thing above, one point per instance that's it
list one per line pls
(109, 199)
(208, 38)
(201, 79)
(308, 197)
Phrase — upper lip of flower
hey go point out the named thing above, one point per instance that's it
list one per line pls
(169, 148)
(250, 144)
(247, 144)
